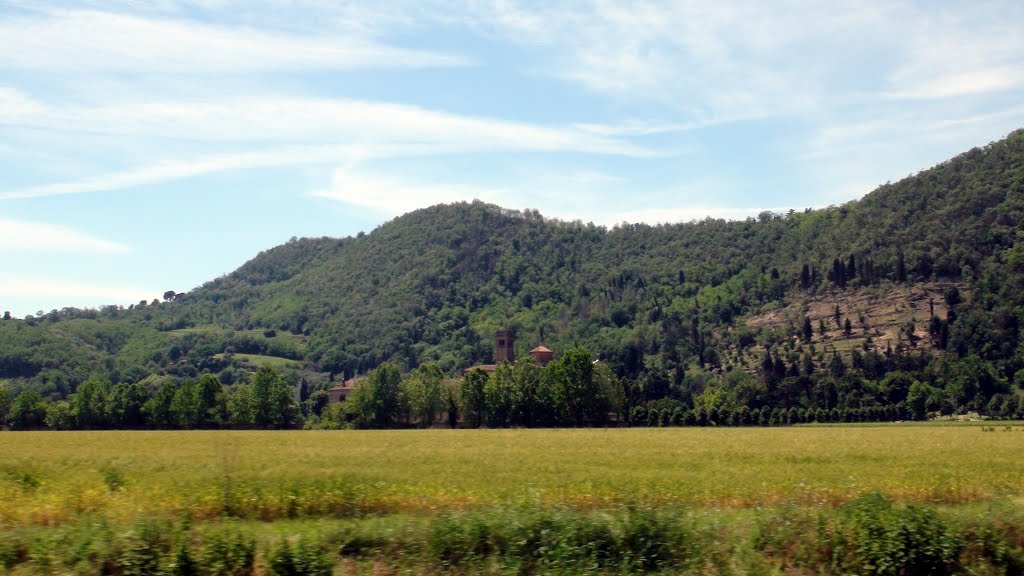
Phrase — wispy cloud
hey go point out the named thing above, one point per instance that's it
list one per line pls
(291, 119)
(273, 132)
(394, 196)
(21, 236)
(985, 81)
(80, 41)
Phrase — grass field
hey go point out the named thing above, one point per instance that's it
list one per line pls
(260, 360)
(303, 479)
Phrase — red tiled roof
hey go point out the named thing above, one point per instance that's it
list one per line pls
(539, 349)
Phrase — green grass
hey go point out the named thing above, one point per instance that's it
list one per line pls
(260, 360)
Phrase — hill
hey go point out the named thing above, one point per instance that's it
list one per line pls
(668, 308)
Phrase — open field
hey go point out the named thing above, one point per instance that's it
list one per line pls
(273, 474)
(387, 496)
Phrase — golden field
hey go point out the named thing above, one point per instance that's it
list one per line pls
(48, 478)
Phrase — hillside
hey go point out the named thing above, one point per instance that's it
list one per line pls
(668, 305)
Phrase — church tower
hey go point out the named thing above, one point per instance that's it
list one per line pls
(504, 347)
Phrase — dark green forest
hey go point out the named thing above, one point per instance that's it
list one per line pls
(691, 323)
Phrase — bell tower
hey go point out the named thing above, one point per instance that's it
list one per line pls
(504, 347)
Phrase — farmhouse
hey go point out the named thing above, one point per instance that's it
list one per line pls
(341, 392)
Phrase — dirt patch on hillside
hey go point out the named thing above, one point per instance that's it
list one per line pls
(882, 313)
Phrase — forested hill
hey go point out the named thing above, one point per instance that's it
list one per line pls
(653, 302)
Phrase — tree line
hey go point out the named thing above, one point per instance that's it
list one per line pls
(267, 401)
(573, 390)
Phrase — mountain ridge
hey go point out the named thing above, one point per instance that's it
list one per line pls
(650, 300)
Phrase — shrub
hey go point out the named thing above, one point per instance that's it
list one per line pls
(227, 553)
(875, 536)
(303, 559)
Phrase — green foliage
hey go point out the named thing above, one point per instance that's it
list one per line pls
(27, 411)
(272, 400)
(870, 535)
(5, 403)
(500, 396)
(227, 553)
(474, 395)
(424, 390)
(377, 399)
(631, 540)
(876, 536)
(300, 559)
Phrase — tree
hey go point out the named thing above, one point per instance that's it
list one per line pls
(848, 327)
(239, 406)
(158, 408)
(273, 400)
(7, 315)
(807, 332)
(126, 405)
(499, 396)
(836, 367)
(5, 403)
(377, 399)
(920, 397)
(574, 377)
(59, 416)
(169, 295)
(28, 410)
(896, 386)
(474, 401)
(89, 405)
(211, 402)
(610, 389)
(425, 392)
(185, 407)
(526, 374)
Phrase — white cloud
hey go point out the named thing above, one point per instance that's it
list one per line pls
(393, 196)
(910, 129)
(90, 41)
(976, 82)
(302, 120)
(23, 236)
(285, 131)
(168, 171)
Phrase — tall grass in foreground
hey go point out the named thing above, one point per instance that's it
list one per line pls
(870, 535)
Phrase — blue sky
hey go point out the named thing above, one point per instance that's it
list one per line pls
(152, 146)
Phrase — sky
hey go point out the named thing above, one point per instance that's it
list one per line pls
(153, 146)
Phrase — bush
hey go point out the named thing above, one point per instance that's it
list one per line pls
(303, 559)
(630, 540)
(227, 553)
(875, 536)
(870, 535)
